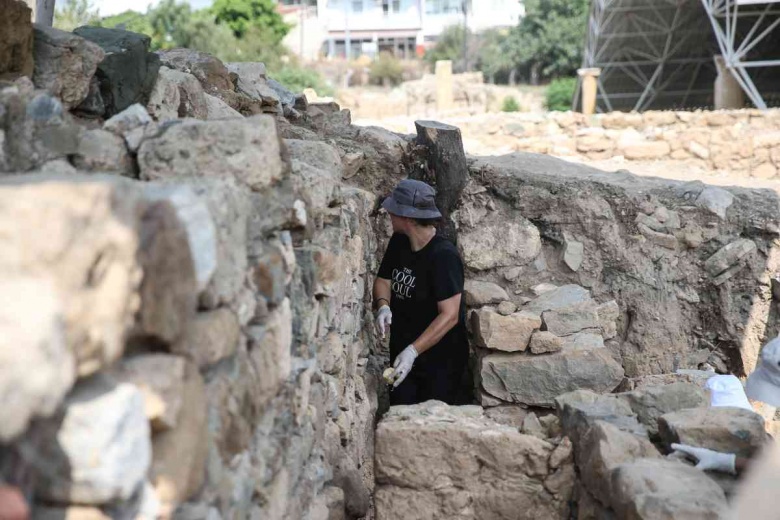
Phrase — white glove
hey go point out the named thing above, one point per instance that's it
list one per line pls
(709, 460)
(384, 318)
(403, 364)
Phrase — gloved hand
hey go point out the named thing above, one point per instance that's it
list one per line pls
(403, 364)
(709, 460)
(384, 318)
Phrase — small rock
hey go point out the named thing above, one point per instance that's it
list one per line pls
(729, 255)
(103, 151)
(508, 333)
(532, 426)
(132, 117)
(543, 288)
(543, 342)
(479, 293)
(510, 415)
(506, 308)
(513, 273)
(573, 254)
(552, 425)
(608, 314)
(562, 454)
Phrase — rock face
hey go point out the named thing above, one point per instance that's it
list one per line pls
(101, 452)
(538, 380)
(731, 430)
(216, 148)
(16, 50)
(128, 72)
(665, 489)
(499, 245)
(428, 466)
(507, 333)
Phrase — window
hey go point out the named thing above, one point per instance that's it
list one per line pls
(391, 6)
(357, 6)
(446, 6)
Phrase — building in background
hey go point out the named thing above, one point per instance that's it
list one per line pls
(353, 28)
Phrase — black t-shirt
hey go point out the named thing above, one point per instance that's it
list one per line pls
(418, 281)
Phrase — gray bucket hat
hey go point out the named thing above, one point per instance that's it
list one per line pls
(764, 383)
(412, 199)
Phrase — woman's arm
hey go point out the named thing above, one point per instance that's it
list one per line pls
(449, 311)
(381, 292)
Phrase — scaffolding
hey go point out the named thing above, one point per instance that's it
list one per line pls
(658, 54)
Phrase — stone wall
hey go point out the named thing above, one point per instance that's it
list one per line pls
(186, 288)
(742, 142)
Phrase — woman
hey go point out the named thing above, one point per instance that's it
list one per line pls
(418, 293)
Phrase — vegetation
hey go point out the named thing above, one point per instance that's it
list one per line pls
(546, 44)
(560, 93)
(386, 70)
(510, 105)
(231, 30)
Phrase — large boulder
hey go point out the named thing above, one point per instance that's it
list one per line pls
(602, 449)
(128, 72)
(538, 380)
(64, 64)
(655, 489)
(16, 47)
(36, 366)
(507, 333)
(209, 71)
(501, 244)
(87, 243)
(177, 94)
(216, 149)
(726, 429)
(434, 462)
(101, 451)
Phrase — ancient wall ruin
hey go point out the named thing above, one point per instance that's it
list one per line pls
(185, 326)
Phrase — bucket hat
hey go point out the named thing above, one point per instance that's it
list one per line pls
(727, 390)
(412, 199)
(764, 383)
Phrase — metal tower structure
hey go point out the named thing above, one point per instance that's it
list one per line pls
(748, 36)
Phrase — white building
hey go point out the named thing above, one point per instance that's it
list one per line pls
(350, 28)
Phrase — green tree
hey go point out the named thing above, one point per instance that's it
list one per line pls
(386, 70)
(240, 15)
(129, 21)
(170, 23)
(75, 13)
(449, 46)
(550, 38)
(559, 94)
(493, 57)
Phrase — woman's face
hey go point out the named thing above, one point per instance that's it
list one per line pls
(397, 222)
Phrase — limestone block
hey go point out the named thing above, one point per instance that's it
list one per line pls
(87, 243)
(500, 245)
(767, 139)
(647, 150)
(554, 298)
(64, 64)
(650, 403)
(180, 453)
(608, 313)
(531, 426)
(269, 350)
(538, 380)
(36, 366)
(102, 151)
(509, 415)
(318, 166)
(764, 171)
(479, 293)
(574, 318)
(216, 149)
(507, 333)
(573, 252)
(128, 72)
(16, 49)
(650, 489)
(580, 409)
(725, 429)
(543, 342)
(729, 255)
(586, 340)
(101, 451)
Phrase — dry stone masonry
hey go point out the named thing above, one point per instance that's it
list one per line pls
(185, 327)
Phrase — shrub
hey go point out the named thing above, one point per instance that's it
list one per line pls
(386, 70)
(510, 105)
(297, 78)
(560, 94)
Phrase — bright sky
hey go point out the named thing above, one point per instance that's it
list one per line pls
(109, 7)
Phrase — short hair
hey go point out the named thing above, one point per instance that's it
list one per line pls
(425, 222)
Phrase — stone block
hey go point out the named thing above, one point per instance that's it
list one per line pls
(655, 489)
(318, 167)
(64, 64)
(729, 255)
(725, 429)
(609, 313)
(177, 94)
(509, 415)
(160, 379)
(100, 453)
(573, 253)
(103, 151)
(538, 380)
(479, 293)
(87, 243)
(500, 245)
(269, 351)
(553, 298)
(216, 149)
(507, 333)
(210, 72)
(16, 49)
(543, 342)
(580, 409)
(36, 366)
(602, 449)
(574, 318)
(764, 171)
(218, 109)
(179, 465)
(134, 116)
(647, 150)
(650, 403)
(128, 72)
